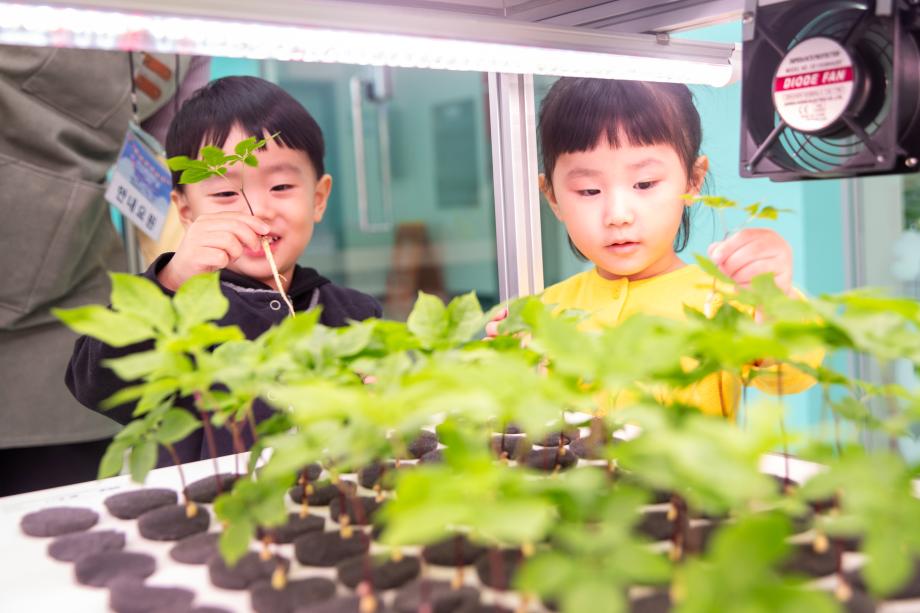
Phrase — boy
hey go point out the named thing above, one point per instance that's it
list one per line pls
(288, 192)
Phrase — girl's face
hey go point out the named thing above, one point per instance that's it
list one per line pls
(622, 206)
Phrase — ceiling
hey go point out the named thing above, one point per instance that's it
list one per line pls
(626, 16)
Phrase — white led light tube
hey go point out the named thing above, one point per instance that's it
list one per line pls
(329, 31)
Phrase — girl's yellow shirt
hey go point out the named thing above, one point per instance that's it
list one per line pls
(608, 302)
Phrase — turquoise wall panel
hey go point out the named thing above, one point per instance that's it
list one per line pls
(814, 228)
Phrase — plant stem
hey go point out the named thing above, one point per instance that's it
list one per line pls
(307, 487)
(361, 519)
(345, 529)
(497, 571)
(596, 434)
(709, 304)
(782, 424)
(251, 419)
(823, 419)
(266, 248)
(560, 451)
(681, 524)
(745, 385)
(425, 596)
(838, 550)
(209, 437)
(838, 448)
(237, 445)
(175, 459)
(890, 404)
(458, 558)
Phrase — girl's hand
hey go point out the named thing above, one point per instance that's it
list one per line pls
(212, 242)
(752, 252)
(492, 326)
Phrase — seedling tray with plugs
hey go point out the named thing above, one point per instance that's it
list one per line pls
(56, 572)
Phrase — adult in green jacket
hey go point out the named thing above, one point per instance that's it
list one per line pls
(64, 115)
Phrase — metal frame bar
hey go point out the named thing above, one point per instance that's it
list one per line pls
(683, 16)
(388, 19)
(635, 16)
(853, 243)
(515, 175)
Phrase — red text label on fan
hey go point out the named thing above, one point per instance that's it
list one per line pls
(812, 79)
(813, 84)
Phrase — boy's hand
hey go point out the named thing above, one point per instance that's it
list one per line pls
(752, 252)
(212, 242)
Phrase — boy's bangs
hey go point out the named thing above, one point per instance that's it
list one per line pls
(260, 108)
(216, 136)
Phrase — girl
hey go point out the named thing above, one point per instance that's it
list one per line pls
(618, 158)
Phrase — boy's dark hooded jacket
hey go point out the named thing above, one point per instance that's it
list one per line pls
(253, 307)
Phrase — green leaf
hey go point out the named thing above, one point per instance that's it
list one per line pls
(428, 318)
(122, 396)
(852, 409)
(176, 425)
(131, 434)
(204, 335)
(194, 175)
(199, 299)
(251, 160)
(141, 298)
(143, 459)
(179, 162)
(234, 540)
(351, 340)
(713, 202)
(517, 521)
(113, 460)
(245, 147)
(712, 270)
(887, 567)
(464, 315)
(547, 574)
(114, 329)
(213, 156)
(151, 393)
(135, 365)
(182, 162)
(771, 212)
(593, 595)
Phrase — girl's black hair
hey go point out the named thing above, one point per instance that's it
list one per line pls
(577, 113)
(258, 106)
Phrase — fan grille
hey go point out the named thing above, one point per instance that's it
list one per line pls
(827, 152)
(859, 139)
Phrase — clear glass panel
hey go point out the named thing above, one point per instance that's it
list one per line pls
(412, 205)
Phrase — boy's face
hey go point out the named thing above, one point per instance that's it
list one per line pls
(622, 206)
(283, 191)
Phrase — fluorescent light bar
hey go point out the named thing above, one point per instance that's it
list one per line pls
(152, 30)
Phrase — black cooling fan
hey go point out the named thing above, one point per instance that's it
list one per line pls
(830, 88)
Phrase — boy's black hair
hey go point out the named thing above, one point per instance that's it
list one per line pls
(258, 106)
(577, 113)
